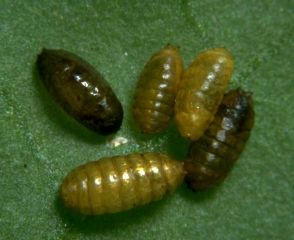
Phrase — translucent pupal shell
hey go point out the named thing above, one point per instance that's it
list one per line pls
(155, 94)
(212, 157)
(201, 90)
(119, 183)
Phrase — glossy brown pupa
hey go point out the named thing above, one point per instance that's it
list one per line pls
(212, 157)
(80, 90)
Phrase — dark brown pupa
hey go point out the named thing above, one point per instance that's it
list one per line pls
(80, 90)
(212, 157)
(155, 94)
(119, 183)
(201, 90)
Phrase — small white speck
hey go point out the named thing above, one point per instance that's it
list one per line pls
(98, 181)
(216, 67)
(166, 75)
(155, 170)
(112, 178)
(126, 176)
(166, 66)
(84, 184)
(86, 84)
(141, 172)
(211, 76)
(115, 141)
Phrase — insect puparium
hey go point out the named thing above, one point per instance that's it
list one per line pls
(212, 157)
(119, 183)
(201, 90)
(80, 90)
(156, 89)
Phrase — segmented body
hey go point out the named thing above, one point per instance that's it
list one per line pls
(80, 90)
(212, 157)
(201, 90)
(156, 90)
(115, 184)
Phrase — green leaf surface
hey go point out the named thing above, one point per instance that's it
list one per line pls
(40, 144)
